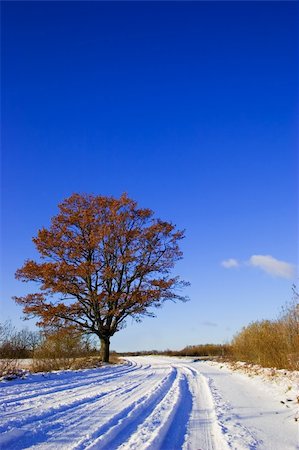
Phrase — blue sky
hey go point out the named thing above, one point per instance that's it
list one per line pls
(190, 108)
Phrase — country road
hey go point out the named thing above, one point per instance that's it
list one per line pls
(146, 403)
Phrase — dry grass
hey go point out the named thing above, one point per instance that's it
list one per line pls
(62, 363)
(8, 367)
(63, 349)
(270, 343)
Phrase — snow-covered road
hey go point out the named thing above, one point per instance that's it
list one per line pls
(147, 403)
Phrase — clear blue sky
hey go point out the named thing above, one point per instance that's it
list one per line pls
(191, 108)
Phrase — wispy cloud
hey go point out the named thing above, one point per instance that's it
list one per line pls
(272, 266)
(230, 263)
(210, 324)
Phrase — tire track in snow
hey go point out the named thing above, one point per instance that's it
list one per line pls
(203, 429)
(49, 403)
(124, 424)
(40, 422)
(166, 405)
(70, 424)
(166, 427)
(70, 384)
(185, 419)
(54, 413)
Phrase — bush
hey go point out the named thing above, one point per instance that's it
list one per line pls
(64, 343)
(64, 349)
(17, 344)
(8, 368)
(271, 343)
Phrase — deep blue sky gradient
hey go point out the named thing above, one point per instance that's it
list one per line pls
(191, 108)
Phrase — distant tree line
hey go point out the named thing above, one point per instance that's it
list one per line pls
(200, 350)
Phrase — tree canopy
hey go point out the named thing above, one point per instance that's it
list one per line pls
(102, 259)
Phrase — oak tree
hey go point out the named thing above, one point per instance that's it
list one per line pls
(103, 259)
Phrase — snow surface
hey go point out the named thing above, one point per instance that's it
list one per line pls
(149, 403)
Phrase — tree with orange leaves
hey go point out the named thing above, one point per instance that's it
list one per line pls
(102, 260)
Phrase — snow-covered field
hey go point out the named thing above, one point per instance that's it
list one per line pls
(149, 403)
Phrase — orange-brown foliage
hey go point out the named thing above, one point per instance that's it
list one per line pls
(102, 260)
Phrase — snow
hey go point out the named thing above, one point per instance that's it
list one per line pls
(151, 403)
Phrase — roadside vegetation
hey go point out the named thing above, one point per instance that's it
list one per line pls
(267, 343)
(271, 343)
(46, 350)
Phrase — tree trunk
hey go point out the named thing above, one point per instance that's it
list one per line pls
(105, 349)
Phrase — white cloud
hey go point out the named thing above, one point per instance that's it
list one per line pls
(229, 263)
(272, 266)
